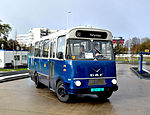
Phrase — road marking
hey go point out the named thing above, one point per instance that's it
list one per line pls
(146, 70)
(13, 76)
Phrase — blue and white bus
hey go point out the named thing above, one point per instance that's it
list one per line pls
(75, 61)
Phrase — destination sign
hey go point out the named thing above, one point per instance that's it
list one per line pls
(91, 34)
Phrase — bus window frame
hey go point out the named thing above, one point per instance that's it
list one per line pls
(112, 55)
(58, 46)
(36, 54)
(51, 47)
(92, 41)
(43, 48)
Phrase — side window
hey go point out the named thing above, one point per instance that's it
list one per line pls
(37, 50)
(51, 50)
(54, 49)
(31, 51)
(41, 48)
(45, 48)
(61, 47)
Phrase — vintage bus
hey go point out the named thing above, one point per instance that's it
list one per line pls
(75, 61)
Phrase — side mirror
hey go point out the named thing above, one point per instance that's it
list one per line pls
(60, 55)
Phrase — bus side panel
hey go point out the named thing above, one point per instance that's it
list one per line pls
(36, 65)
(59, 72)
(44, 70)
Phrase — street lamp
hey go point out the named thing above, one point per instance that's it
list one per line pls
(68, 18)
(129, 49)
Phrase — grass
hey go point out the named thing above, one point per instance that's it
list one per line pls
(17, 69)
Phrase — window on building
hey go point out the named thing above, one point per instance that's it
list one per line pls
(24, 57)
(17, 57)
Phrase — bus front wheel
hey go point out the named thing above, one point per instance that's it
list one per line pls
(61, 92)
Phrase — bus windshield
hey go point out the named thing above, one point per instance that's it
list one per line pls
(87, 49)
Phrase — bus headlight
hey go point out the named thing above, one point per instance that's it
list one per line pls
(78, 83)
(114, 81)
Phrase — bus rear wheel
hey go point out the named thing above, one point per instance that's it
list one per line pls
(104, 95)
(61, 92)
(38, 84)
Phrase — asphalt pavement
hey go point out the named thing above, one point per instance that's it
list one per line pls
(20, 97)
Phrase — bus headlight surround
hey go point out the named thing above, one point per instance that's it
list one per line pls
(78, 83)
(114, 81)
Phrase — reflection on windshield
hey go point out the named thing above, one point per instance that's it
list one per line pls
(85, 49)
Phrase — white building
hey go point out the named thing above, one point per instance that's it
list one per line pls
(32, 36)
(24, 39)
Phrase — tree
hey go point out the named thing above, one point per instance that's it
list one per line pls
(119, 49)
(4, 30)
(144, 45)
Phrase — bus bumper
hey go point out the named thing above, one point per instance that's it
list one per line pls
(88, 90)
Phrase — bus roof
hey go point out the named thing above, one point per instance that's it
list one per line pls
(71, 33)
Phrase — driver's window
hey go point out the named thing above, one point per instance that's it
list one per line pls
(97, 46)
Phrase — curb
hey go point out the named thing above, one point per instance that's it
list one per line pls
(133, 69)
(13, 78)
(138, 74)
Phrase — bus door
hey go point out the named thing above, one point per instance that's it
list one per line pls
(52, 65)
(44, 62)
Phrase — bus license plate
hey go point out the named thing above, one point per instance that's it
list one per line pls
(97, 89)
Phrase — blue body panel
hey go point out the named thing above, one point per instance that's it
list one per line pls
(51, 70)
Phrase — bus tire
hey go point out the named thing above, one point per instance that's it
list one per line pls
(104, 95)
(61, 93)
(38, 84)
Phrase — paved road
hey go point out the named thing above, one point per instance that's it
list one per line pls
(22, 98)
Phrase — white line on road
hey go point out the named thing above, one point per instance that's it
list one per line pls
(146, 70)
(13, 76)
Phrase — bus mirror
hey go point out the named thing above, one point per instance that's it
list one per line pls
(60, 55)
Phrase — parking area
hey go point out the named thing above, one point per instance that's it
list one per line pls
(20, 97)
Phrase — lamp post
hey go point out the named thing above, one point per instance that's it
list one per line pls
(129, 49)
(68, 18)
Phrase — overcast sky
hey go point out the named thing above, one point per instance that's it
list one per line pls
(125, 18)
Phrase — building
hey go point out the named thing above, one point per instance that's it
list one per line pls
(24, 39)
(34, 34)
(9, 58)
(119, 41)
